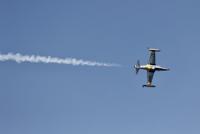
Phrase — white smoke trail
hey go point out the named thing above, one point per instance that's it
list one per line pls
(53, 60)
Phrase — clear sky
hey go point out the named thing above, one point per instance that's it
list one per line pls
(63, 99)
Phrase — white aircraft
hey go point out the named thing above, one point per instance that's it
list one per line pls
(151, 67)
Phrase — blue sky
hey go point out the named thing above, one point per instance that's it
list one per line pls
(50, 98)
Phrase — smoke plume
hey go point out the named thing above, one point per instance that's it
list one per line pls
(19, 58)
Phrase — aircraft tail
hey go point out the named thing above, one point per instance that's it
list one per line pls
(137, 67)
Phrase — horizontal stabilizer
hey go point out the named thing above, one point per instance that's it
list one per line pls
(137, 67)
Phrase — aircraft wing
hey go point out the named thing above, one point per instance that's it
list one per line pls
(150, 76)
(152, 59)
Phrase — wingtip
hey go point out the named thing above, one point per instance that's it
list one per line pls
(154, 49)
(151, 86)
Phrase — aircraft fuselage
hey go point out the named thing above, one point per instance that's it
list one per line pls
(149, 67)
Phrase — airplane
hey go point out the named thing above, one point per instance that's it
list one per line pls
(151, 67)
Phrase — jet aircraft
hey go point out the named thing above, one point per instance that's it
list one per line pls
(151, 67)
